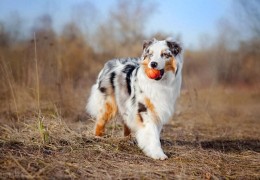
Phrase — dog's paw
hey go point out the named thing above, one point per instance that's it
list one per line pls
(159, 156)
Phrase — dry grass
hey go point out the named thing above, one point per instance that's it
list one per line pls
(214, 135)
(46, 134)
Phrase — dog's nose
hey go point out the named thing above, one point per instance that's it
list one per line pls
(154, 64)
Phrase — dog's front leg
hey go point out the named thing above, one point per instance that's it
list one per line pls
(148, 138)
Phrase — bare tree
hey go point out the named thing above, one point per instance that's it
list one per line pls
(4, 36)
(249, 12)
(236, 51)
(124, 28)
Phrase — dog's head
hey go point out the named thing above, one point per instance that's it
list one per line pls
(160, 56)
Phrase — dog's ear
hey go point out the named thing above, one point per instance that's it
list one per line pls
(174, 47)
(147, 43)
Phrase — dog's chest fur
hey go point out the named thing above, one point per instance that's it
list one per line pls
(162, 94)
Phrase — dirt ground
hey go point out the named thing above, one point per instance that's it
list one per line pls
(214, 134)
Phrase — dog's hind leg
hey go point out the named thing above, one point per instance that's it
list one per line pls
(107, 112)
(102, 107)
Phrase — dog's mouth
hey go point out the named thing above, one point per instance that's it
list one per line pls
(153, 73)
(161, 75)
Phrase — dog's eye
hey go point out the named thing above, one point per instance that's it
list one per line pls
(166, 55)
(150, 55)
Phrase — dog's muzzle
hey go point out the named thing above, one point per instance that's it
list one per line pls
(161, 75)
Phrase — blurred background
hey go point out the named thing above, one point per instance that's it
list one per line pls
(51, 51)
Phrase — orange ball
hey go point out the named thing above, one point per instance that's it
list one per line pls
(153, 73)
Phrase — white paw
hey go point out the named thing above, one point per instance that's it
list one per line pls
(160, 156)
(157, 155)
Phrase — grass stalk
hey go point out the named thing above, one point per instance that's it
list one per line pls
(42, 130)
(37, 77)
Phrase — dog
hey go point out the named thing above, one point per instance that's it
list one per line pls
(145, 103)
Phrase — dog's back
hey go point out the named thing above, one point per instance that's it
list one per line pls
(115, 77)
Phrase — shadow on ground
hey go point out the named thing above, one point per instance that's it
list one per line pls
(220, 145)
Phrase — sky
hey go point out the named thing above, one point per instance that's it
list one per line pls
(190, 19)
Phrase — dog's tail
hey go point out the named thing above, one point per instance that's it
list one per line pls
(95, 101)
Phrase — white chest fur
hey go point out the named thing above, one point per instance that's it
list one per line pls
(162, 94)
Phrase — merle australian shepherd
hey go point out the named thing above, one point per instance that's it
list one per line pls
(145, 103)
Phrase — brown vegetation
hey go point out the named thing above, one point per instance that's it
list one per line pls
(214, 135)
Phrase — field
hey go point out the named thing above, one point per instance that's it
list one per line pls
(47, 67)
(214, 134)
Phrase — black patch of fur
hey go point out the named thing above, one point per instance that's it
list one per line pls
(136, 71)
(128, 70)
(133, 99)
(141, 118)
(141, 108)
(147, 43)
(175, 48)
(112, 78)
(177, 70)
(102, 89)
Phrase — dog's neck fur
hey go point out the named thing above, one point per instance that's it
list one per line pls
(162, 92)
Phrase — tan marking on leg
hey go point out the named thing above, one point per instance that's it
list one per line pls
(99, 129)
(149, 104)
(171, 65)
(151, 108)
(127, 131)
(110, 111)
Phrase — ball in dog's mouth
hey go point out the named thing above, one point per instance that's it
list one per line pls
(161, 75)
(155, 73)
